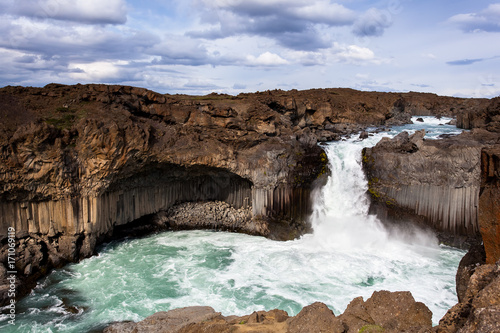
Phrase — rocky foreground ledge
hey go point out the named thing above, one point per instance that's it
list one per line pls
(383, 312)
(80, 164)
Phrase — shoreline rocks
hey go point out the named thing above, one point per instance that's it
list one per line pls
(384, 311)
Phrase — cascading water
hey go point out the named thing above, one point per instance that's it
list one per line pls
(349, 254)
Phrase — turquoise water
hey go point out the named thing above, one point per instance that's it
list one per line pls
(349, 254)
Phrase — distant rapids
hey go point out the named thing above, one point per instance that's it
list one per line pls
(349, 254)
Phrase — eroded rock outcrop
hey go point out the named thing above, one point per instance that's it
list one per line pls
(437, 180)
(479, 309)
(390, 312)
(489, 203)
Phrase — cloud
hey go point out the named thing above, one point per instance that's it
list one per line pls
(179, 50)
(338, 53)
(322, 11)
(73, 42)
(355, 54)
(266, 59)
(372, 23)
(293, 24)
(98, 71)
(82, 11)
(487, 20)
(464, 62)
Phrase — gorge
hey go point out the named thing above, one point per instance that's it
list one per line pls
(80, 162)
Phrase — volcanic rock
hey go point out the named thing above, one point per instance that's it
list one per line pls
(80, 163)
(479, 309)
(489, 203)
(391, 312)
(436, 182)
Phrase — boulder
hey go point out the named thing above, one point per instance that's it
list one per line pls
(386, 312)
(315, 318)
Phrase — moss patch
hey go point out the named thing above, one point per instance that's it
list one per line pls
(371, 329)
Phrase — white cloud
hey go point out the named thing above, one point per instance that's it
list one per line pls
(355, 54)
(99, 71)
(324, 12)
(83, 11)
(485, 20)
(266, 59)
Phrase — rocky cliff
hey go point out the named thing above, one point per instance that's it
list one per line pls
(433, 181)
(78, 163)
(489, 203)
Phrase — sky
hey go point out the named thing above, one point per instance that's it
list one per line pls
(232, 46)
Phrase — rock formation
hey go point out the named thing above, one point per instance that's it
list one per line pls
(489, 203)
(383, 312)
(479, 308)
(78, 163)
(436, 180)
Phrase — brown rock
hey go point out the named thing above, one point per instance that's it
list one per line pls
(467, 266)
(173, 321)
(387, 312)
(315, 318)
(479, 310)
(489, 203)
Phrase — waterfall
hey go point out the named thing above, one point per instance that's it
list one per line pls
(340, 216)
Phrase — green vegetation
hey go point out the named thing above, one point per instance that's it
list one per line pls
(61, 122)
(210, 97)
(371, 329)
(324, 163)
(64, 117)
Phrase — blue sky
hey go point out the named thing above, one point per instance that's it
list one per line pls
(232, 46)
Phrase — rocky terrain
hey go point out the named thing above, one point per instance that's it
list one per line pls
(81, 164)
(447, 198)
(383, 312)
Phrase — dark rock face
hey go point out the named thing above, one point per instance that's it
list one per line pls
(474, 258)
(436, 182)
(383, 312)
(489, 203)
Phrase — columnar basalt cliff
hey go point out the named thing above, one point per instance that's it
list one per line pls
(79, 162)
(432, 181)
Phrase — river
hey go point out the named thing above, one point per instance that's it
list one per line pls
(349, 254)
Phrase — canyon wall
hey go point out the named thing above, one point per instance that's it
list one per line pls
(436, 182)
(79, 162)
(489, 203)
